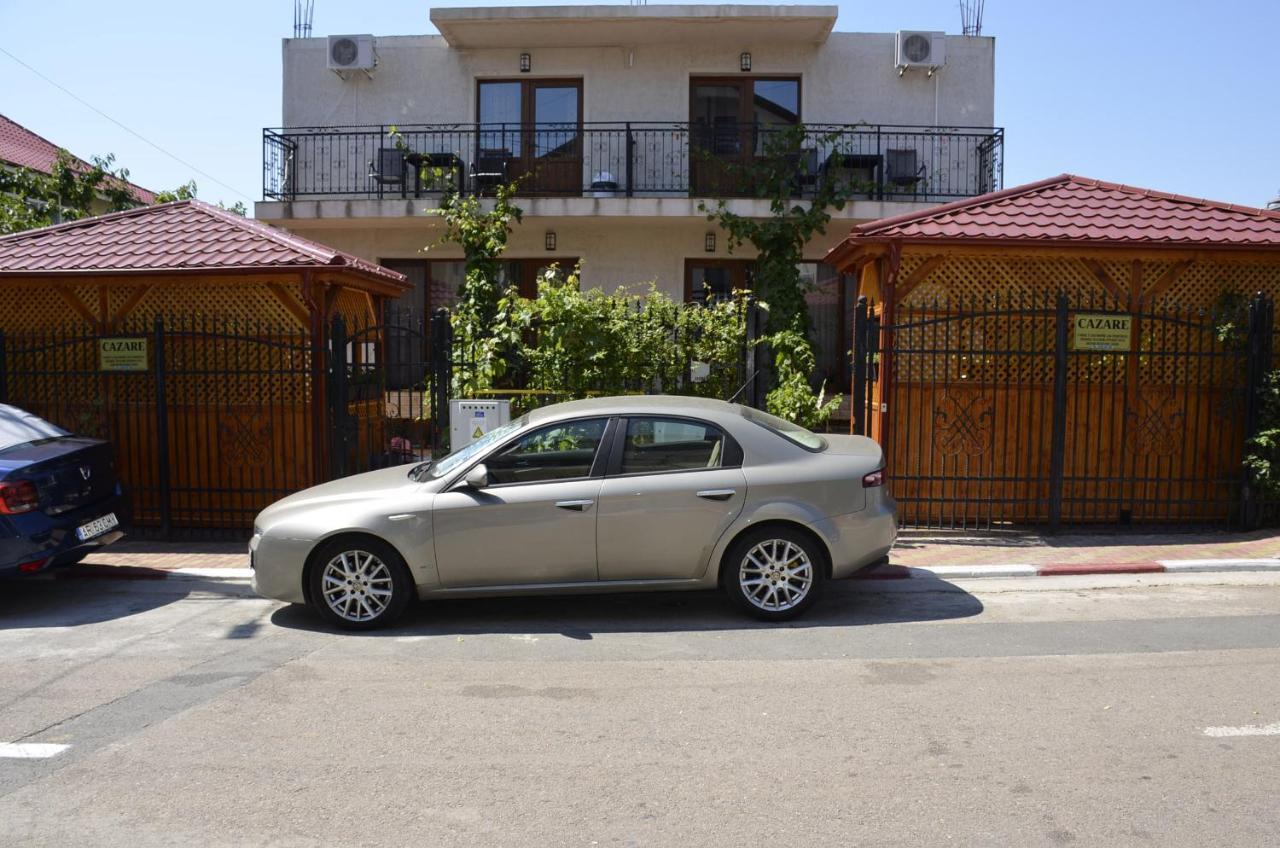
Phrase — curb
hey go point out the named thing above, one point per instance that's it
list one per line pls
(1064, 569)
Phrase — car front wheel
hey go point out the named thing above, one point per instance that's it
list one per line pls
(359, 583)
(773, 573)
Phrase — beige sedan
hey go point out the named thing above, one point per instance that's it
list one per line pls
(605, 495)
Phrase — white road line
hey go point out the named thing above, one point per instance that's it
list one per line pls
(30, 750)
(1245, 730)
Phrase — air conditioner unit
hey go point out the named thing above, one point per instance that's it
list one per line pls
(921, 50)
(351, 53)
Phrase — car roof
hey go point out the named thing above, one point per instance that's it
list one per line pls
(638, 405)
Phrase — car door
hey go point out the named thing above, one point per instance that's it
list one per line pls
(536, 520)
(673, 486)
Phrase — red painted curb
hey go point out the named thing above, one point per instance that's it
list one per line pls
(1060, 569)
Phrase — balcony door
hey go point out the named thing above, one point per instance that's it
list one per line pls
(730, 120)
(531, 129)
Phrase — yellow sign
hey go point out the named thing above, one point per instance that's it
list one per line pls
(122, 354)
(477, 434)
(1102, 331)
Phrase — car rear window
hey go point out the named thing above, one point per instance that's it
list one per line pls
(18, 427)
(791, 432)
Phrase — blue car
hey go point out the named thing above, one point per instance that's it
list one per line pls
(59, 497)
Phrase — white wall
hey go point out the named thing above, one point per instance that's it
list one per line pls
(849, 79)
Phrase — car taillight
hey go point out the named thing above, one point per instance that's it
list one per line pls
(875, 478)
(18, 496)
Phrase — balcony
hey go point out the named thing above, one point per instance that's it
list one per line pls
(631, 160)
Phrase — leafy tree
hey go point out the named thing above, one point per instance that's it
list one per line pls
(189, 190)
(482, 234)
(30, 199)
(780, 240)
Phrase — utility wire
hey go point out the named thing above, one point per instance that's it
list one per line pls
(132, 132)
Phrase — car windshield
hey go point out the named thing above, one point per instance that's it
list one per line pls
(19, 428)
(791, 432)
(462, 456)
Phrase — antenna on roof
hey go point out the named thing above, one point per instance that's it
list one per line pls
(971, 16)
(303, 13)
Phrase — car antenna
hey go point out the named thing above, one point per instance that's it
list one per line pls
(743, 387)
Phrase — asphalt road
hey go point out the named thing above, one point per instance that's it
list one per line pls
(1046, 711)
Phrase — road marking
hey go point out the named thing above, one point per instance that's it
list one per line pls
(1245, 730)
(30, 750)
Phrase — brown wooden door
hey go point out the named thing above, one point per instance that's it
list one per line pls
(531, 130)
(730, 122)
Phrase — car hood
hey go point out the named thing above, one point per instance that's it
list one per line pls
(385, 482)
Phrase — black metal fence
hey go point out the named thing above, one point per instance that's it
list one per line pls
(211, 419)
(1041, 410)
(631, 159)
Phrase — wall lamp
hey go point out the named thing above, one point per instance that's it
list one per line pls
(710, 243)
(550, 240)
(526, 63)
(744, 61)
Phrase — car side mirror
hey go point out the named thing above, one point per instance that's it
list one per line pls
(478, 477)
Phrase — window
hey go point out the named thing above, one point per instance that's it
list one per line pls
(715, 279)
(563, 451)
(791, 432)
(654, 445)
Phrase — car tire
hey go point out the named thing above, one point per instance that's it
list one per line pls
(359, 583)
(774, 573)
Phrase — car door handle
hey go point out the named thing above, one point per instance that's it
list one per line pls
(575, 505)
(717, 494)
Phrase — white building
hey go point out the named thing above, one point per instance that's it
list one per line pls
(620, 118)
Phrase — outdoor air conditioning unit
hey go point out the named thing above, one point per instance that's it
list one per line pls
(921, 50)
(351, 53)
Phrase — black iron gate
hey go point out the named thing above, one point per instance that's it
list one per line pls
(1037, 410)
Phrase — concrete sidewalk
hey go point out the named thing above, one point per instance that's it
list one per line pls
(915, 549)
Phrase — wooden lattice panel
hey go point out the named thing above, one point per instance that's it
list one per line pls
(24, 309)
(254, 303)
(1011, 276)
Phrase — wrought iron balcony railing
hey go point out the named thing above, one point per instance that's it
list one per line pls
(626, 160)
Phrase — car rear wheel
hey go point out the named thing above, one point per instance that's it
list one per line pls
(359, 583)
(774, 573)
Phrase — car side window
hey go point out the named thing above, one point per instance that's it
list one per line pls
(556, 452)
(654, 445)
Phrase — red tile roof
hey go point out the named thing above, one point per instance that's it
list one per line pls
(22, 148)
(1068, 209)
(183, 236)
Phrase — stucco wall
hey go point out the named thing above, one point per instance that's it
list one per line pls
(850, 78)
(614, 252)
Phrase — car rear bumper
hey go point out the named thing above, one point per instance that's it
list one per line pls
(860, 539)
(35, 542)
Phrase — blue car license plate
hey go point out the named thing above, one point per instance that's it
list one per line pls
(97, 527)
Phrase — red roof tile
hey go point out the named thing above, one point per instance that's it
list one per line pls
(1068, 209)
(22, 148)
(186, 235)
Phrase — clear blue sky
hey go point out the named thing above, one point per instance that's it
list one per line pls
(1177, 95)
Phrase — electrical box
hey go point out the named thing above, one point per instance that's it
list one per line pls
(471, 419)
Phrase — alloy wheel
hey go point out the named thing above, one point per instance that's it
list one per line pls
(357, 586)
(776, 575)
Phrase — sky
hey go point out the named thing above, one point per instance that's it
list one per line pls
(1177, 96)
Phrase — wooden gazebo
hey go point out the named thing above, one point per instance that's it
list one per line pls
(1064, 351)
(192, 338)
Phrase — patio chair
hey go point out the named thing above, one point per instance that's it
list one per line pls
(489, 170)
(390, 169)
(902, 170)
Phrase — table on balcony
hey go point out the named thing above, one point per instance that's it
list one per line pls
(862, 167)
(434, 160)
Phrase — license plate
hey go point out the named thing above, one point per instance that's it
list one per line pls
(97, 527)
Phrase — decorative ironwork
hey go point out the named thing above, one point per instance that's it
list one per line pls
(1155, 424)
(644, 159)
(962, 423)
(245, 438)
